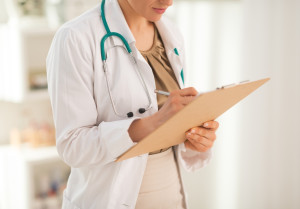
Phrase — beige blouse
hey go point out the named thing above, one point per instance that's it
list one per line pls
(165, 79)
(161, 186)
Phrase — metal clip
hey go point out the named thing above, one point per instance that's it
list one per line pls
(245, 81)
(227, 86)
(104, 66)
(233, 84)
(133, 58)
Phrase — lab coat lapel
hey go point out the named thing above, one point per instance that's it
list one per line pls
(117, 22)
(174, 50)
(176, 65)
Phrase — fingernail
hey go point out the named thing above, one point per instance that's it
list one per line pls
(189, 134)
(205, 125)
(193, 131)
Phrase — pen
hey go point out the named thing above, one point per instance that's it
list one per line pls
(162, 92)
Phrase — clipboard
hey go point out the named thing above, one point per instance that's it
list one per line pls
(206, 107)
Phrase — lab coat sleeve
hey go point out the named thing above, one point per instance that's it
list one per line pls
(80, 140)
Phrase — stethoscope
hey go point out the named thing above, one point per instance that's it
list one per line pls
(129, 52)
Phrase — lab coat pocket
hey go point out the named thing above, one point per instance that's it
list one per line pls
(67, 204)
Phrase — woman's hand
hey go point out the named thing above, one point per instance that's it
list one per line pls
(176, 101)
(202, 138)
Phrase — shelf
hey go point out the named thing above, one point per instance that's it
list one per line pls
(38, 31)
(41, 94)
(30, 39)
(50, 202)
(36, 26)
(32, 155)
(28, 175)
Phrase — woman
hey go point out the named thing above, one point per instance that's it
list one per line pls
(97, 113)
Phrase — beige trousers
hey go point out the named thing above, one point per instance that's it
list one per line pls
(161, 185)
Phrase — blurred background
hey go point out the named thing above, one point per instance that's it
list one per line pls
(256, 161)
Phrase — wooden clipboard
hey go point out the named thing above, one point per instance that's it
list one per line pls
(206, 107)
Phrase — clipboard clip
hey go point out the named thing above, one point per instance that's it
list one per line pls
(233, 84)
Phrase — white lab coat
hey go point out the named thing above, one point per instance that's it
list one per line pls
(89, 134)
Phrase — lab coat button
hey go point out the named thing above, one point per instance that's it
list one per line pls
(126, 205)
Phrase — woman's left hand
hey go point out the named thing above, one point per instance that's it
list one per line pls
(202, 138)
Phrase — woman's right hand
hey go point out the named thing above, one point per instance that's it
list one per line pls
(176, 101)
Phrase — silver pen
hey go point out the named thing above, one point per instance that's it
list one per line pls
(162, 92)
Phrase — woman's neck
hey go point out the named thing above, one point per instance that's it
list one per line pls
(136, 22)
(141, 28)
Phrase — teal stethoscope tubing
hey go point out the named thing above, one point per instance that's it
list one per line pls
(110, 34)
(104, 58)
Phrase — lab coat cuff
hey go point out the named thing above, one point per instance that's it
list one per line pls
(117, 139)
(193, 160)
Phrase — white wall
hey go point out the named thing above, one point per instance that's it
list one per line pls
(256, 160)
(213, 35)
(271, 177)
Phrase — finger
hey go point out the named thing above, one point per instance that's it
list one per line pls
(207, 133)
(177, 99)
(197, 146)
(196, 139)
(186, 100)
(186, 92)
(189, 145)
(213, 125)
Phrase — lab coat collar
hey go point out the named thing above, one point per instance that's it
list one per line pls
(170, 40)
(116, 20)
(174, 48)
